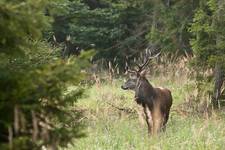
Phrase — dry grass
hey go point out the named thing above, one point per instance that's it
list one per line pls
(109, 128)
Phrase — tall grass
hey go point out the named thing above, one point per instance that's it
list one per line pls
(109, 128)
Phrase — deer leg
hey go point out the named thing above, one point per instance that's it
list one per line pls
(148, 118)
(166, 117)
(157, 122)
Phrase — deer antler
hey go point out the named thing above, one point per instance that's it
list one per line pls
(141, 66)
(146, 62)
(128, 70)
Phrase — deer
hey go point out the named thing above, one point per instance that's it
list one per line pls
(155, 101)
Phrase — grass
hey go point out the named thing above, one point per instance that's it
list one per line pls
(111, 129)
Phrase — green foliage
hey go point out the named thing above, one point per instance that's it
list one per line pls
(169, 27)
(112, 26)
(34, 101)
(125, 28)
(37, 84)
(208, 45)
(208, 33)
(20, 21)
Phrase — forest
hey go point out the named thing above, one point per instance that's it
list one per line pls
(66, 65)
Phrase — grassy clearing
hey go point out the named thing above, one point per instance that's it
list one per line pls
(111, 129)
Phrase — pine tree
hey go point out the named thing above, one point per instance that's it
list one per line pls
(208, 41)
(35, 106)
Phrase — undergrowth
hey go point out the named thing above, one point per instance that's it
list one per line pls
(113, 124)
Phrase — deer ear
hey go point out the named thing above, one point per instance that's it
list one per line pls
(143, 73)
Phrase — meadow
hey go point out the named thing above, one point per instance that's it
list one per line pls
(112, 123)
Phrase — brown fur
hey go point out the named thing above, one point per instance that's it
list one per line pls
(156, 102)
(161, 109)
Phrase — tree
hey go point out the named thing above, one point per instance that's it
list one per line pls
(208, 40)
(115, 28)
(34, 101)
(170, 23)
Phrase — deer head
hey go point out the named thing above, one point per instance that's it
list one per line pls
(136, 75)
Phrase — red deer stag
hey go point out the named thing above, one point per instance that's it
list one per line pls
(156, 102)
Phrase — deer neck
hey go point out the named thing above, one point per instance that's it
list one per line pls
(144, 92)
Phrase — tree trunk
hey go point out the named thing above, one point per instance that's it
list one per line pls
(219, 78)
(168, 3)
